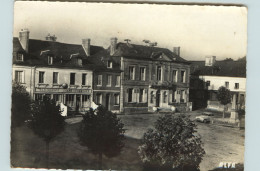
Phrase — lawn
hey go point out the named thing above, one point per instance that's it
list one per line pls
(27, 150)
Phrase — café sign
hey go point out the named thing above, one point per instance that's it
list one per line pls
(59, 90)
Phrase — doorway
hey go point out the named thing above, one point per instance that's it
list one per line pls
(77, 102)
(158, 94)
(108, 101)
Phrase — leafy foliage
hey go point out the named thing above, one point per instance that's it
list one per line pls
(173, 143)
(47, 121)
(102, 132)
(20, 104)
(224, 95)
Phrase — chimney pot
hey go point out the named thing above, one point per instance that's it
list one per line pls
(86, 46)
(176, 50)
(24, 39)
(113, 42)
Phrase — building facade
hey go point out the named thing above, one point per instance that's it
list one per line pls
(214, 74)
(58, 70)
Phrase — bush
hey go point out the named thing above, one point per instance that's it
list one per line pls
(102, 132)
(20, 105)
(172, 144)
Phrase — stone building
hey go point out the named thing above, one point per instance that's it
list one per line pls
(58, 70)
(150, 76)
(228, 73)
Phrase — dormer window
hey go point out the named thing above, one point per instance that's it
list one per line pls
(50, 60)
(19, 57)
(79, 61)
(109, 64)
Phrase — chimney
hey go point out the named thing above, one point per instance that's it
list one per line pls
(86, 46)
(24, 39)
(176, 50)
(113, 41)
(51, 38)
(210, 60)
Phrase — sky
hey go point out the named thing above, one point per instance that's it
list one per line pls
(200, 31)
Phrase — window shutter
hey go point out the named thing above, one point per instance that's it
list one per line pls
(145, 95)
(126, 95)
(137, 95)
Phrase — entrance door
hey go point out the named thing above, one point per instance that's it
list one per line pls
(108, 101)
(77, 102)
(158, 98)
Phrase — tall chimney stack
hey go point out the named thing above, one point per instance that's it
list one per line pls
(86, 46)
(113, 41)
(176, 50)
(24, 39)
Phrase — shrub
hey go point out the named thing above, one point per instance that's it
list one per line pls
(172, 144)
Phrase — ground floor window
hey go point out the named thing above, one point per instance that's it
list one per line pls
(116, 99)
(85, 100)
(57, 97)
(182, 94)
(152, 97)
(99, 99)
(173, 96)
(130, 95)
(164, 97)
(70, 99)
(141, 95)
(38, 97)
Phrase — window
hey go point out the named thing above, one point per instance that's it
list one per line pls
(208, 83)
(57, 97)
(227, 84)
(99, 99)
(41, 77)
(19, 57)
(84, 79)
(236, 85)
(50, 60)
(79, 61)
(55, 78)
(164, 97)
(152, 97)
(130, 95)
(85, 100)
(173, 96)
(159, 73)
(70, 100)
(183, 76)
(118, 80)
(131, 72)
(142, 73)
(72, 78)
(141, 95)
(174, 75)
(109, 64)
(19, 76)
(99, 82)
(182, 95)
(116, 99)
(109, 80)
(38, 97)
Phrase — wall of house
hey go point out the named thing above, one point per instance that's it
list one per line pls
(218, 81)
(27, 78)
(107, 92)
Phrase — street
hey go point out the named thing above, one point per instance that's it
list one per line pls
(222, 144)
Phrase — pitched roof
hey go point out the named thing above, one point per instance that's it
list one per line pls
(63, 53)
(145, 52)
(220, 68)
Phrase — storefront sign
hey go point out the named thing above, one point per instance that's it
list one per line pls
(60, 90)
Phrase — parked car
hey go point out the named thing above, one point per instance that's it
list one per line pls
(207, 114)
(202, 118)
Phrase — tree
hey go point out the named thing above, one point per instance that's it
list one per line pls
(47, 121)
(224, 97)
(102, 132)
(20, 105)
(172, 144)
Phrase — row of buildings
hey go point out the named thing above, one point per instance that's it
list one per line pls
(125, 77)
